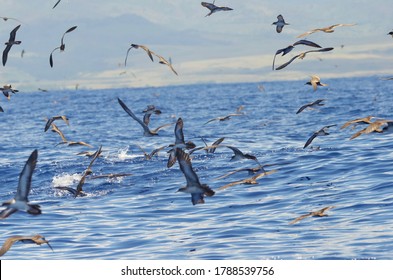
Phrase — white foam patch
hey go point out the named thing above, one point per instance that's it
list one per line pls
(123, 154)
(66, 180)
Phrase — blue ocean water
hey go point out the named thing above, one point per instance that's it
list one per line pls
(143, 217)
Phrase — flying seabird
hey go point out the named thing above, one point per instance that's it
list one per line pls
(318, 213)
(7, 18)
(213, 8)
(37, 239)
(252, 180)
(52, 119)
(20, 201)
(280, 23)
(311, 105)
(315, 81)
(146, 130)
(62, 45)
(239, 155)
(210, 149)
(376, 126)
(328, 29)
(321, 132)
(179, 143)
(224, 118)
(75, 143)
(286, 50)
(135, 46)
(7, 90)
(365, 120)
(194, 187)
(154, 152)
(390, 33)
(250, 170)
(301, 56)
(10, 43)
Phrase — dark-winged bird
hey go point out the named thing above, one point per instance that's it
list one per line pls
(321, 132)
(62, 45)
(280, 23)
(20, 201)
(10, 43)
(197, 190)
(213, 8)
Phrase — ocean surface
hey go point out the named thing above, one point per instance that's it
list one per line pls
(143, 217)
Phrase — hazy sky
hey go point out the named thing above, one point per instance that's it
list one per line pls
(234, 46)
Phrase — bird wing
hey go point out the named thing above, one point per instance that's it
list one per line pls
(58, 131)
(231, 184)
(215, 145)
(310, 139)
(95, 156)
(307, 43)
(5, 54)
(154, 131)
(235, 150)
(56, 4)
(300, 218)
(48, 123)
(287, 63)
(149, 52)
(186, 167)
(68, 31)
(308, 33)
(13, 33)
(125, 61)
(179, 136)
(129, 112)
(302, 108)
(7, 212)
(197, 198)
(25, 177)
(320, 50)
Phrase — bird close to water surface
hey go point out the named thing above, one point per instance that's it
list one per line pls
(36, 239)
(376, 126)
(20, 201)
(365, 120)
(146, 130)
(318, 213)
(311, 105)
(62, 45)
(197, 190)
(213, 8)
(10, 43)
(321, 132)
(280, 23)
(249, 181)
